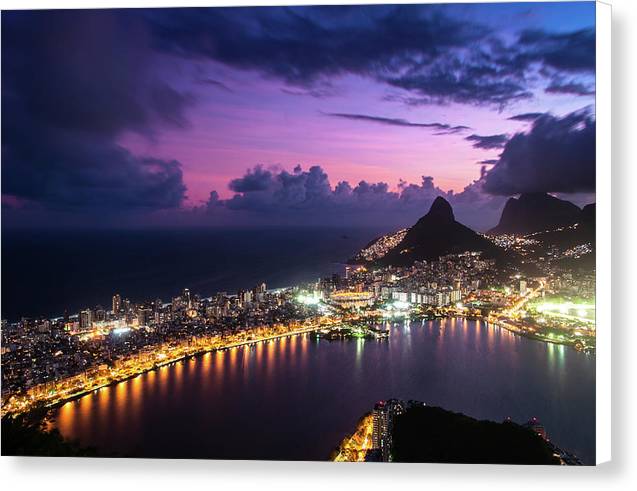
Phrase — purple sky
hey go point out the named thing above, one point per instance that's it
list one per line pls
(137, 116)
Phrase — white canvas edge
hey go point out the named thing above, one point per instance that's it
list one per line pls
(603, 295)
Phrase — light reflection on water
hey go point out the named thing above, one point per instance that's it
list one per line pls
(295, 399)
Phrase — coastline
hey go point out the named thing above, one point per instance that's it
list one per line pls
(156, 366)
(200, 352)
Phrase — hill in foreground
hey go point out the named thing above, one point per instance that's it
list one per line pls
(432, 434)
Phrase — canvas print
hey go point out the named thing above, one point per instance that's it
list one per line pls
(357, 233)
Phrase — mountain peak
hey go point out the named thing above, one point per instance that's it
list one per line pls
(441, 210)
(535, 212)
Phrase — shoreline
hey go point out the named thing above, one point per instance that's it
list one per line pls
(78, 395)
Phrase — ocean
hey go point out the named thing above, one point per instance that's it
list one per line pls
(45, 273)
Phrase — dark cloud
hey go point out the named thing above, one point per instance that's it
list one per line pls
(478, 80)
(570, 52)
(525, 117)
(296, 46)
(574, 88)
(254, 180)
(488, 162)
(556, 155)
(488, 142)
(442, 128)
(73, 82)
(431, 57)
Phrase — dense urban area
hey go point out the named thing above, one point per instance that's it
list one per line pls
(47, 361)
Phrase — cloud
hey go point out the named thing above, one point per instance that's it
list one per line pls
(479, 80)
(254, 180)
(442, 128)
(555, 155)
(299, 47)
(488, 162)
(429, 57)
(317, 92)
(73, 83)
(488, 142)
(566, 52)
(304, 197)
(525, 117)
(558, 87)
(215, 83)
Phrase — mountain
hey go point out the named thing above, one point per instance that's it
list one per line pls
(587, 217)
(579, 237)
(535, 212)
(434, 235)
(581, 232)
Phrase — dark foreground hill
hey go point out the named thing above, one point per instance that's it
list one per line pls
(437, 234)
(535, 212)
(432, 434)
(28, 436)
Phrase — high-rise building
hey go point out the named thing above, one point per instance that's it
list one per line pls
(383, 417)
(144, 317)
(379, 421)
(117, 303)
(86, 319)
(187, 298)
(522, 288)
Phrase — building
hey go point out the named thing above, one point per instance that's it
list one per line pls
(383, 416)
(522, 288)
(347, 300)
(144, 317)
(117, 303)
(379, 420)
(100, 314)
(86, 319)
(187, 298)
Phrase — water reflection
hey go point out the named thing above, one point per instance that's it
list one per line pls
(206, 408)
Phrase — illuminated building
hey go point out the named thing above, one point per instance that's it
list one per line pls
(522, 288)
(347, 299)
(383, 417)
(379, 415)
(117, 303)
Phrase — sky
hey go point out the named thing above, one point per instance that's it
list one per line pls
(294, 116)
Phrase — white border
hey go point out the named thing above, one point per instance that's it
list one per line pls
(603, 295)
